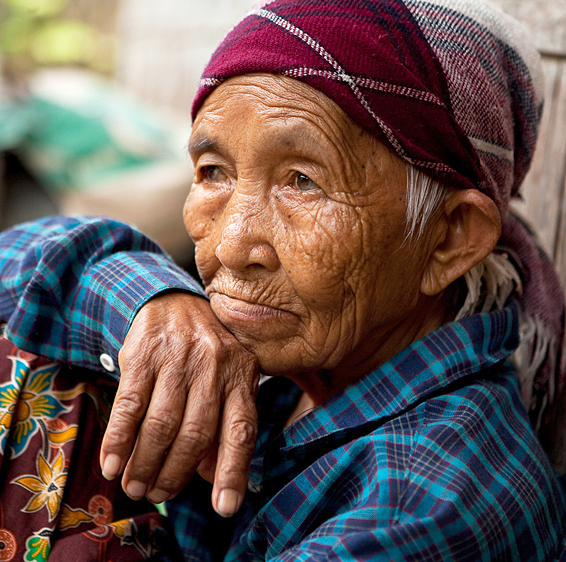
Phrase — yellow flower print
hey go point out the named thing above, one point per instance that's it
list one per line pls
(70, 518)
(9, 393)
(25, 401)
(48, 488)
(124, 529)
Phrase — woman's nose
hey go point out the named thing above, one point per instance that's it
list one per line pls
(246, 239)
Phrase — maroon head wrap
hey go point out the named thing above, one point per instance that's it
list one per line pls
(454, 86)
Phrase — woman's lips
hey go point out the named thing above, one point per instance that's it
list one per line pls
(254, 323)
(242, 310)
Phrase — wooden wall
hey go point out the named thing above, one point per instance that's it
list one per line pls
(544, 199)
(164, 45)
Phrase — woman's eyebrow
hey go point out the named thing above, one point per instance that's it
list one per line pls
(202, 144)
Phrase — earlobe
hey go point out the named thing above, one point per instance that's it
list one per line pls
(465, 233)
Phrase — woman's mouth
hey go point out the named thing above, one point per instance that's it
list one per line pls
(243, 310)
(252, 322)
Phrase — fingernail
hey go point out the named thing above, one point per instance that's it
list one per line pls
(136, 490)
(157, 496)
(111, 466)
(228, 503)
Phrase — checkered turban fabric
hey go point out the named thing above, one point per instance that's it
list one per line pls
(433, 78)
(454, 87)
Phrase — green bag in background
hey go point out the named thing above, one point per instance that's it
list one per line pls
(97, 151)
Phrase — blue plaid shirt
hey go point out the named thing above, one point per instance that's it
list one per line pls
(71, 286)
(430, 457)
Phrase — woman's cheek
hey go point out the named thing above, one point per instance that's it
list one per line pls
(206, 261)
(193, 215)
(203, 211)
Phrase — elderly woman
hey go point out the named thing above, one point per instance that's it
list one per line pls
(354, 163)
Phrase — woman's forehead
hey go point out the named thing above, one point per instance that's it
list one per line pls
(271, 97)
(292, 114)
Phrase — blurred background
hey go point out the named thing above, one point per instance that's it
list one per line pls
(95, 98)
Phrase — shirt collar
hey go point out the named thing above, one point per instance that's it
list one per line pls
(456, 350)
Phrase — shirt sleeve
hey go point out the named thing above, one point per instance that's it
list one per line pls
(71, 286)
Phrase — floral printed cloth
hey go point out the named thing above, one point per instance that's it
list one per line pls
(54, 502)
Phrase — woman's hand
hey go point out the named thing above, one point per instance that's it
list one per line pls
(186, 398)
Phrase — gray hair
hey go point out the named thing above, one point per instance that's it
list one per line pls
(425, 195)
(490, 282)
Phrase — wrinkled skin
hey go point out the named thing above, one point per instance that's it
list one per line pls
(188, 389)
(298, 217)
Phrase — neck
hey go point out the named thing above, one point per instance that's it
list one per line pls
(378, 348)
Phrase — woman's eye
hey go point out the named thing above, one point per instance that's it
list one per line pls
(304, 183)
(212, 174)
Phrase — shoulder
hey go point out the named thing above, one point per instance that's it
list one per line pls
(482, 420)
(475, 457)
(462, 469)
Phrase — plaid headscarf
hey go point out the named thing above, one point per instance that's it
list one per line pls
(455, 88)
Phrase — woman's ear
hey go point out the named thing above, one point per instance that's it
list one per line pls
(464, 234)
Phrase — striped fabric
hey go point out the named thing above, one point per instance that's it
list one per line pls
(453, 85)
(70, 287)
(455, 88)
(431, 457)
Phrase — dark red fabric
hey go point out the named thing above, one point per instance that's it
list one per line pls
(52, 420)
(373, 41)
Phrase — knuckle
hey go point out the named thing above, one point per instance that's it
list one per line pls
(193, 437)
(124, 355)
(138, 352)
(213, 346)
(160, 427)
(128, 406)
(116, 439)
(241, 434)
(127, 357)
(224, 347)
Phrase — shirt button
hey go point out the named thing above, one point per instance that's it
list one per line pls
(107, 362)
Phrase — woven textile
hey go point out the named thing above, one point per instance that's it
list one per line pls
(454, 87)
(430, 457)
(54, 502)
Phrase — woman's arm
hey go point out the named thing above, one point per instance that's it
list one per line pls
(70, 287)
(97, 293)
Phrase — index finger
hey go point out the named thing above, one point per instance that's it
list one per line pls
(130, 404)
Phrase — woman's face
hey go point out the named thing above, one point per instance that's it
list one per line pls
(298, 218)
